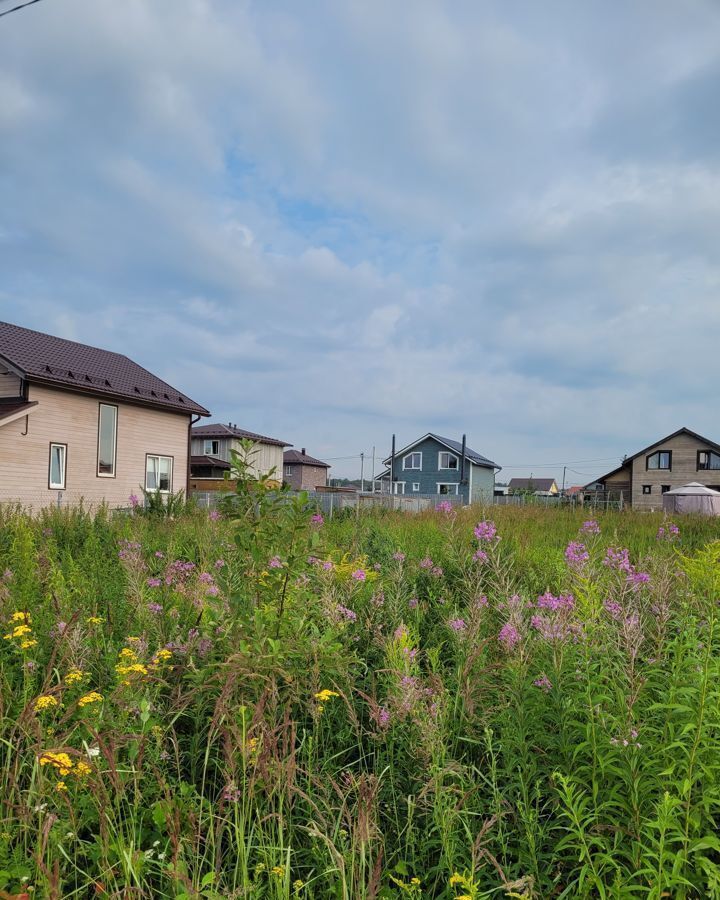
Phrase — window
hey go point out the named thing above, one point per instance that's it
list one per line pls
(398, 487)
(647, 489)
(660, 460)
(288, 470)
(416, 485)
(56, 474)
(107, 440)
(664, 488)
(707, 459)
(447, 488)
(211, 448)
(158, 473)
(447, 460)
(412, 461)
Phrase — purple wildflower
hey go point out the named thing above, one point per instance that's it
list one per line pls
(154, 582)
(219, 563)
(134, 500)
(327, 566)
(358, 575)
(413, 602)
(613, 608)
(444, 506)
(398, 556)
(383, 717)
(543, 683)
(436, 571)
(214, 515)
(485, 531)
(637, 579)
(576, 554)
(345, 613)
(426, 563)
(155, 608)
(590, 527)
(275, 563)
(317, 519)
(457, 625)
(480, 556)
(509, 635)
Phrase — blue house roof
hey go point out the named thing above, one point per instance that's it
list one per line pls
(477, 458)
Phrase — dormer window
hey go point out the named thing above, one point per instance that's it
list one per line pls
(412, 461)
(447, 460)
(708, 459)
(660, 460)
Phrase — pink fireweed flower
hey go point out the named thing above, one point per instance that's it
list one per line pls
(486, 531)
(637, 579)
(316, 519)
(155, 608)
(214, 515)
(398, 556)
(618, 559)
(576, 554)
(219, 563)
(480, 602)
(437, 571)
(543, 683)
(668, 533)
(134, 500)
(426, 563)
(590, 527)
(400, 633)
(613, 608)
(480, 556)
(154, 582)
(457, 625)
(413, 602)
(444, 506)
(275, 563)
(548, 601)
(509, 635)
(328, 566)
(377, 567)
(359, 575)
(348, 614)
(383, 717)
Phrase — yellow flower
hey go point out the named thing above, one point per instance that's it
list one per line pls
(26, 645)
(73, 676)
(21, 630)
(161, 656)
(456, 878)
(61, 786)
(92, 697)
(45, 702)
(127, 653)
(278, 870)
(464, 897)
(298, 885)
(415, 881)
(324, 695)
(82, 769)
(59, 761)
(94, 620)
(21, 617)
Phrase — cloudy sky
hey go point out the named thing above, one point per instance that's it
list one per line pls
(334, 220)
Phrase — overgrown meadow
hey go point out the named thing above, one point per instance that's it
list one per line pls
(501, 703)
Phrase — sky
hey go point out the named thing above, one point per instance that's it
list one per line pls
(333, 221)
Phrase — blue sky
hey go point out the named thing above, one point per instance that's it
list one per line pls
(333, 221)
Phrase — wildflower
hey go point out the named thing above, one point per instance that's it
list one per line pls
(457, 625)
(275, 563)
(509, 635)
(154, 582)
(456, 878)
(59, 761)
(61, 786)
(480, 556)
(155, 608)
(576, 554)
(21, 631)
(436, 571)
(358, 575)
(618, 559)
(328, 566)
(324, 695)
(398, 556)
(383, 717)
(45, 702)
(278, 870)
(74, 676)
(613, 608)
(21, 617)
(92, 697)
(134, 500)
(26, 645)
(413, 602)
(82, 769)
(92, 752)
(214, 515)
(161, 656)
(444, 506)
(346, 613)
(219, 563)
(590, 527)
(426, 563)
(637, 579)
(298, 884)
(486, 531)
(544, 683)
(317, 519)
(94, 620)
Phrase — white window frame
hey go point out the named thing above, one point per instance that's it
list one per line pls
(416, 485)
(213, 443)
(396, 487)
(158, 457)
(407, 456)
(58, 485)
(288, 470)
(112, 473)
(451, 484)
(455, 468)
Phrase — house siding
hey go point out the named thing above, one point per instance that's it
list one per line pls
(72, 419)
(305, 477)
(266, 457)
(483, 479)
(684, 449)
(10, 385)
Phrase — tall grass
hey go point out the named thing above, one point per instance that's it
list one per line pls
(261, 705)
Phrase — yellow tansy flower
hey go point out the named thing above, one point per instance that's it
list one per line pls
(94, 620)
(61, 786)
(59, 761)
(92, 697)
(73, 676)
(21, 631)
(324, 695)
(278, 870)
(21, 617)
(82, 769)
(26, 645)
(45, 702)
(456, 878)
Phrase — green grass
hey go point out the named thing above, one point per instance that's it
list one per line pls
(271, 727)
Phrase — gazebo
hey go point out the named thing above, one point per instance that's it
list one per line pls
(692, 498)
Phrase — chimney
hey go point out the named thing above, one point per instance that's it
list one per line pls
(303, 451)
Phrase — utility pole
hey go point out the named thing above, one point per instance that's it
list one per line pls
(563, 487)
(373, 470)
(362, 473)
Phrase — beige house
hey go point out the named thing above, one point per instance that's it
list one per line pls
(80, 423)
(302, 472)
(642, 479)
(210, 454)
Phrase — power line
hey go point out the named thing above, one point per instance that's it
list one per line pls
(19, 6)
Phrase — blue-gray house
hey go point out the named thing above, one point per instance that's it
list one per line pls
(441, 466)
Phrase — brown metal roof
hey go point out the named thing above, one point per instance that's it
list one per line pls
(8, 409)
(225, 431)
(213, 461)
(302, 459)
(56, 362)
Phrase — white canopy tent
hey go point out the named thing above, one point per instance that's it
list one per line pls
(692, 498)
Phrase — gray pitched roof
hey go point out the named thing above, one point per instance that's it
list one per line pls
(477, 458)
(302, 459)
(225, 431)
(537, 484)
(56, 362)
